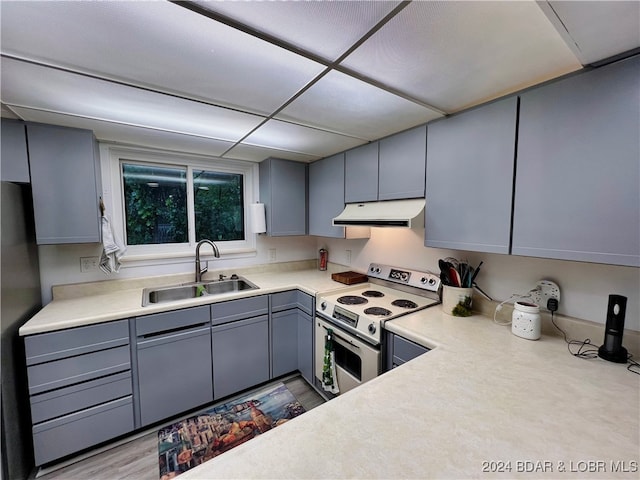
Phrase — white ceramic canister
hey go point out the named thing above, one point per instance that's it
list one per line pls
(525, 321)
(453, 297)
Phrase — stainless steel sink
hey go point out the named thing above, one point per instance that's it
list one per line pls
(194, 290)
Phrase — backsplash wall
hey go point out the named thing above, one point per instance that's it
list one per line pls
(60, 264)
(584, 287)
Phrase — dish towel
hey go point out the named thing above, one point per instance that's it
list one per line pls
(112, 248)
(329, 378)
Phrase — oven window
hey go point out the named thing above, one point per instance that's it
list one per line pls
(348, 361)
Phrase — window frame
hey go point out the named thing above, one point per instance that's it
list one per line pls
(112, 158)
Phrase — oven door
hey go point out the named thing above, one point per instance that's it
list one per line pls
(356, 361)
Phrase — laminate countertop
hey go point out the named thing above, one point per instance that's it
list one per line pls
(482, 404)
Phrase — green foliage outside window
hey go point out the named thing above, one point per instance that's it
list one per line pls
(156, 205)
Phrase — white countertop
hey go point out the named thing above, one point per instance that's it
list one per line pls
(481, 399)
(104, 304)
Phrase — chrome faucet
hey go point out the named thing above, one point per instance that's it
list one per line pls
(199, 269)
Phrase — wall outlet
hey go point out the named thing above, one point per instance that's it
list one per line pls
(347, 257)
(89, 264)
(546, 290)
(272, 254)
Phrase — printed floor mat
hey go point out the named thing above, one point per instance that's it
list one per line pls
(197, 439)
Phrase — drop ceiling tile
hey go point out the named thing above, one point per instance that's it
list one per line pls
(596, 29)
(326, 29)
(130, 135)
(258, 154)
(300, 139)
(43, 88)
(158, 44)
(343, 104)
(453, 55)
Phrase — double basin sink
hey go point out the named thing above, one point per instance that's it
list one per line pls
(154, 295)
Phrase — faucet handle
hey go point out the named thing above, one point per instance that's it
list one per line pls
(221, 277)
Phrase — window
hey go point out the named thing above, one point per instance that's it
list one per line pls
(167, 203)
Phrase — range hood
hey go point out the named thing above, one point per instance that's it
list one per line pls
(392, 213)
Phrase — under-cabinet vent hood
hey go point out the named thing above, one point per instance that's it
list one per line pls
(392, 213)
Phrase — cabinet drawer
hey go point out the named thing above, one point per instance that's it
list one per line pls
(284, 300)
(405, 349)
(69, 434)
(161, 322)
(78, 397)
(69, 371)
(239, 309)
(46, 347)
(305, 302)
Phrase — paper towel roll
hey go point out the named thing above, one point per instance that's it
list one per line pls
(257, 219)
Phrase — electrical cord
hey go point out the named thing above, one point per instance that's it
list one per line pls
(514, 296)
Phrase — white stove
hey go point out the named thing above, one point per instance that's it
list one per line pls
(362, 309)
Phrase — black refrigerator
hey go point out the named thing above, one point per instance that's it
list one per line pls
(20, 299)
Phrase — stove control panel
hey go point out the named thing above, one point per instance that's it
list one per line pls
(423, 280)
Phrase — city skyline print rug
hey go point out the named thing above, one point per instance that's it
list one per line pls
(194, 440)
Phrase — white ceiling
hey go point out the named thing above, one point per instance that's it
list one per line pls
(296, 80)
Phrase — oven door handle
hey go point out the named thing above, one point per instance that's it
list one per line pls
(342, 338)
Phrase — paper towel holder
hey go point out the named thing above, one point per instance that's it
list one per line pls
(257, 219)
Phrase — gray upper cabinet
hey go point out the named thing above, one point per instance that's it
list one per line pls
(15, 160)
(283, 190)
(326, 196)
(470, 162)
(578, 172)
(361, 174)
(402, 165)
(65, 179)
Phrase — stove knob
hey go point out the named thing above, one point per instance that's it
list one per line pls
(432, 281)
(372, 328)
(323, 306)
(423, 280)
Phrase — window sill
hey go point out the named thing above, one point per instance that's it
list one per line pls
(168, 258)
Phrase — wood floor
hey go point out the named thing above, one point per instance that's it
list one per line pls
(138, 457)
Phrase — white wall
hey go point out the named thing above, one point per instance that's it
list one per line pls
(60, 264)
(584, 287)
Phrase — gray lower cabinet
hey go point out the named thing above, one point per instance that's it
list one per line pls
(283, 190)
(402, 164)
(292, 333)
(80, 388)
(15, 159)
(470, 166)
(399, 350)
(577, 194)
(173, 363)
(284, 342)
(66, 185)
(326, 196)
(240, 344)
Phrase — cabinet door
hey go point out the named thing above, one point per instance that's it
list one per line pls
(65, 179)
(577, 179)
(305, 346)
(240, 355)
(15, 160)
(326, 196)
(470, 162)
(174, 373)
(402, 165)
(361, 174)
(283, 190)
(284, 342)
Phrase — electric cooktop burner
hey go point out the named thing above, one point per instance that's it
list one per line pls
(402, 303)
(372, 293)
(352, 300)
(378, 311)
